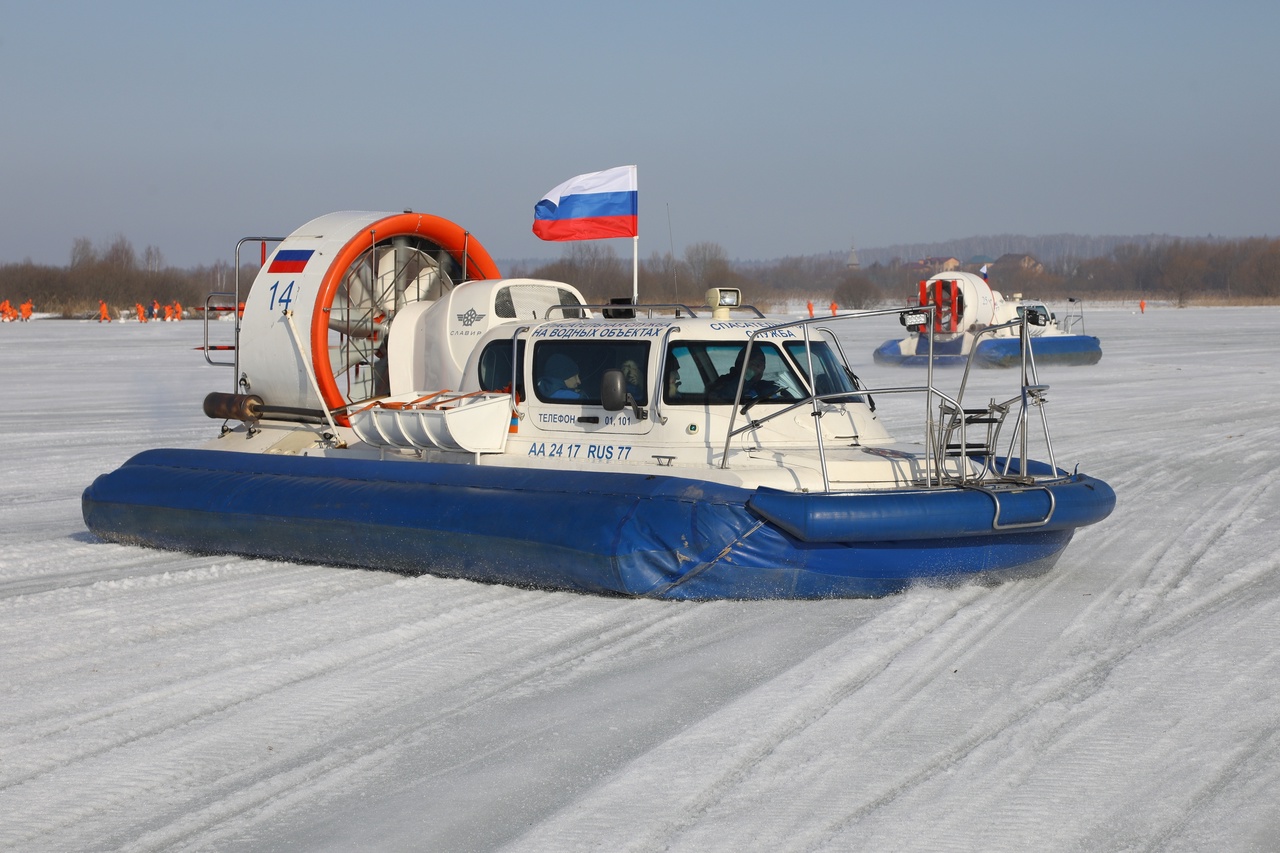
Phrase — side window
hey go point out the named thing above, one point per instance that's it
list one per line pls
(684, 381)
(570, 371)
(503, 304)
(495, 367)
(702, 373)
(567, 297)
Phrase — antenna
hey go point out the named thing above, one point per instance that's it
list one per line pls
(675, 268)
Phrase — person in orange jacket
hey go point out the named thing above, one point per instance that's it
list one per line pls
(177, 310)
(27, 308)
(141, 312)
(834, 308)
(155, 309)
(104, 313)
(168, 313)
(5, 310)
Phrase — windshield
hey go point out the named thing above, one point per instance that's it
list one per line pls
(832, 376)
(1035, 308)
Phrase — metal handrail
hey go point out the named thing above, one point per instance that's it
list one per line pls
(239, 243)
(1030, 382)
(656, 405)
(937, 436)
(804, 323)
(615, 306)
(208, 309)
(515, 367)
(1015, 525)
(647, 307)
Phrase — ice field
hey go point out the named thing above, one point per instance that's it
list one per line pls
(1127, 700)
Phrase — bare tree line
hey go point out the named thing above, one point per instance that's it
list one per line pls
(114, 274)
(1178, 270)
(1182, 271)
(597, 271)
(1053, 250)
(1246, 270)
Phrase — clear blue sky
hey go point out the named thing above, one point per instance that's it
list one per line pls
(773, 129)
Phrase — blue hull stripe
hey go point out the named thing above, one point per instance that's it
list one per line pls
(628, 534)
(1004, 352)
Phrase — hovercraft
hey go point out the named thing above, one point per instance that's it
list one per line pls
(398, 405)
(972, 319)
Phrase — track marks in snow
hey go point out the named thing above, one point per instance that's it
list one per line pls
(1031, 715)
(692, 772)
(1125, 700)
(867, 731)
(357, 662)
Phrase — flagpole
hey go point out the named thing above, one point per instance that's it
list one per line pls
(635, 270)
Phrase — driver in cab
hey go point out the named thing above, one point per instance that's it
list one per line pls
(724, 389)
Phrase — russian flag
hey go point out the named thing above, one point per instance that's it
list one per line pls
(594, 206)
(290, 260)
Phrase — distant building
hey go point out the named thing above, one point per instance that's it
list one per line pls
(1024, 263)
(931, 266)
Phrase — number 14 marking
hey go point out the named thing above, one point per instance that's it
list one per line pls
(283, 299)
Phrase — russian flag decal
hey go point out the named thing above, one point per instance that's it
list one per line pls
(290, 260)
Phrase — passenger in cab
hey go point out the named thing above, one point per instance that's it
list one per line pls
(635, 378)
(561, 380)
(672, 381)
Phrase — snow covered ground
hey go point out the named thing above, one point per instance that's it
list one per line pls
(1128, 700)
